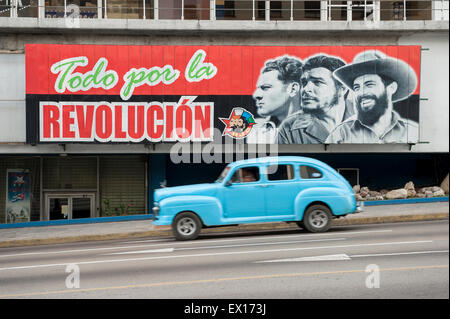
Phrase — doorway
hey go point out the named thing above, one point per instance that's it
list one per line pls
(69, 206)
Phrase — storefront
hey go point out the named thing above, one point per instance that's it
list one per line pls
(70, 187)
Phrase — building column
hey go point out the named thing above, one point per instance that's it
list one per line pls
(324, 10)
(376, 10)
(99, 9)
(439, 10)
(212, 10)
(349, 11)
(41, 9)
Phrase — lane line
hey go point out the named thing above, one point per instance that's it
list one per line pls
(212, 254)
(151, 251)
(230, 246)
(193, 242)
(398, 254)
(312, 258)
(346, 257)
(218, 280)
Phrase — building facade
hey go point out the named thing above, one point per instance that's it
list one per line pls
(168, 78)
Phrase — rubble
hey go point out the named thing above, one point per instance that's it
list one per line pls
(444, 185)
(363, 193)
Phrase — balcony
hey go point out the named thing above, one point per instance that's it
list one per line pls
(144, 16)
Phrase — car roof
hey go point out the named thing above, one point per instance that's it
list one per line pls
(275, 159)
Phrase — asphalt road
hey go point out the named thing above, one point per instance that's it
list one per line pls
(398, 260)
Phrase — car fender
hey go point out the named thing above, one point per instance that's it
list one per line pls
(208, 208)
(339, 201)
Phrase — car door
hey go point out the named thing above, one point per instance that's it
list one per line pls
(281, 188)
(242, 197)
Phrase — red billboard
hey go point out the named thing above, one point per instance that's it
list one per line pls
(262, 94)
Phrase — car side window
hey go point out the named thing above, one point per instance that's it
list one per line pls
(308, 172)
(246, 175)
(280, 172)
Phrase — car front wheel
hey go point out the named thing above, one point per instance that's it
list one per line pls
(317, 219)
(186, 226)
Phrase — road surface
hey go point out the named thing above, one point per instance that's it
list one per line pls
(398, 260)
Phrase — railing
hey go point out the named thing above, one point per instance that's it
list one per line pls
(284, 10)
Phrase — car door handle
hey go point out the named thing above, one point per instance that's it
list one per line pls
(264, 186)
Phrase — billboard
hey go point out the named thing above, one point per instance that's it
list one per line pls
(259, 94)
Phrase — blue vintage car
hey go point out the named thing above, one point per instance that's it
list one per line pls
(269, 189)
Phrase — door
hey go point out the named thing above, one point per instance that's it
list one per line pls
(243, 199)
(69, 206)
(281, 191)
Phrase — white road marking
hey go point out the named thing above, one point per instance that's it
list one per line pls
(147, 241)
(313, 258)
(163, 250)
(398, 254)
(172, 243)
(346, 257)
(228, 246)
(213, 254)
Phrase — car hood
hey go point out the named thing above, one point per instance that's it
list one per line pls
(196, 189)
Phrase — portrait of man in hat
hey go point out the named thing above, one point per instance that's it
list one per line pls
(377, 82)
(323, 103)
(276, 96)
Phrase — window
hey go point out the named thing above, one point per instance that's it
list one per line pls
(280, 172)
(246, 175)
(85, 9)
(223, 174)
(275, 10)
(308, 172)
(234, 10)
(261, 10)
(312, 10)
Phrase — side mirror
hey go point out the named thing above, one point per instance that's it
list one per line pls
(228, 183)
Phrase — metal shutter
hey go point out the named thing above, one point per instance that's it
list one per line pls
(72, 172)
(123, 181)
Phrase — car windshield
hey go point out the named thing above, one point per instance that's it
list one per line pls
(223, 174)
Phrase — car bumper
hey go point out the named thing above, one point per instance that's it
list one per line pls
(162, 221)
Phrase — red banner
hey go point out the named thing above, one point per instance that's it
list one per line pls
(237, 67)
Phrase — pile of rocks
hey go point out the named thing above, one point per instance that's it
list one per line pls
(409, 191)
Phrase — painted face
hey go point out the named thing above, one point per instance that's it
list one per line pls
(271, 95)
(318, 89)
(236, 122)
(370, 97)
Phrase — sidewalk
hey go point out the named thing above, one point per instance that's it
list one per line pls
(143, 228)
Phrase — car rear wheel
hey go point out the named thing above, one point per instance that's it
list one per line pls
(186, 226)
(317, 219)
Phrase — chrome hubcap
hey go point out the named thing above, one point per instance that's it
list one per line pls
(318, 219)
(186, 226)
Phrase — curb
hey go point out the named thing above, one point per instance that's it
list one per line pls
(149, 216)
(166, 232)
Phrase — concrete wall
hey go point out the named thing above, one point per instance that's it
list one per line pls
(12, 98)
(434, 111)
